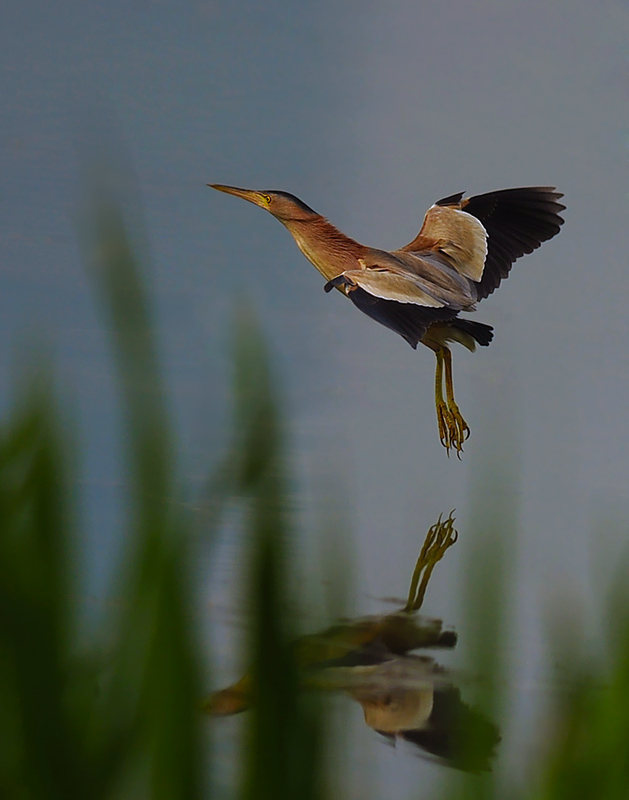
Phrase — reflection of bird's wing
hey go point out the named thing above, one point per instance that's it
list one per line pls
(457, 734)
(482, 236)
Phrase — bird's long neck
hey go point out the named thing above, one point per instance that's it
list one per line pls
(331, 251)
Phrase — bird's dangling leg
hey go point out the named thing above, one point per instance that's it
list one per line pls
(440, 404)
(459, 429)
(453, 429)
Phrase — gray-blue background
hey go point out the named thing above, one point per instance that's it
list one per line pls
(369, 112)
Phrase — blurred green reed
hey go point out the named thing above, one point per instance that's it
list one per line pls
(77, 723)
(589, 756)
(119, 717)
(283, 755)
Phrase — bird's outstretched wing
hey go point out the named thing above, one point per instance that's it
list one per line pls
(405, 297)
(456, 235)
(482, 236)
(386, 284)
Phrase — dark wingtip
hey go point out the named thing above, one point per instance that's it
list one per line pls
(452, 200)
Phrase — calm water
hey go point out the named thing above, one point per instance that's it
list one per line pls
(369, 113)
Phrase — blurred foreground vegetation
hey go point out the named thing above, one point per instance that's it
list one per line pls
(117, 714)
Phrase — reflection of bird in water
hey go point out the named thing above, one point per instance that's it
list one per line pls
(412, 698)
(455, 733)
(402, 695)
(463, 251)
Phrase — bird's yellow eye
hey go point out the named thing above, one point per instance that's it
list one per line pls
(267, 199)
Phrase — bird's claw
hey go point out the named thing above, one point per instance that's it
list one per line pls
(462, 426)
(453, 429)
(442, 422)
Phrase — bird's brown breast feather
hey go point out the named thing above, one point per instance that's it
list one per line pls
(327, 248)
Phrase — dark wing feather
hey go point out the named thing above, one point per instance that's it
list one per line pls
(451, 200)
(517, 221)
(409, 320)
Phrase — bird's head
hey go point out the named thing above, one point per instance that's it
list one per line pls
(282, 205)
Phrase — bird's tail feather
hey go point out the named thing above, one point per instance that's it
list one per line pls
(481, 333)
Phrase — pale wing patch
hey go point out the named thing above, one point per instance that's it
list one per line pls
(390, 286)
(458, 235)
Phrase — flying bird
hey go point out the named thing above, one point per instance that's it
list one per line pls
(465, 248)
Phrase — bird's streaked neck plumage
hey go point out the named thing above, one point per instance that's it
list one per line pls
(329, 250)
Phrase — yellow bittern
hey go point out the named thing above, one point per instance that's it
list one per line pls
(465, 248)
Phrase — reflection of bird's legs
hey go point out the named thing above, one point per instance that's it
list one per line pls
(459, 429)
(439, 538)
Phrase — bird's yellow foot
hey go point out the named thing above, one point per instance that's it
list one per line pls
(453, 429)
(463, 429)
(443, 423)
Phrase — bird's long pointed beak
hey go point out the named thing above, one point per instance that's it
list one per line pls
(257, 198)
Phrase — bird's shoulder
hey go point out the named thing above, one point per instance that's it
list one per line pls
(458, 238)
